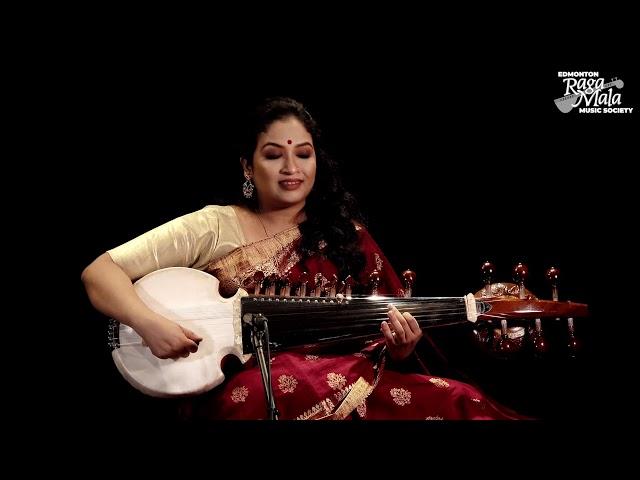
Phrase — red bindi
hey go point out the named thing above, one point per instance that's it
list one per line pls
(289, 142)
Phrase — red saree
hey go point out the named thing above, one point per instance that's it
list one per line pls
(330, 385)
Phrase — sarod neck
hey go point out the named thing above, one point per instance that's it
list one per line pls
(295, 321)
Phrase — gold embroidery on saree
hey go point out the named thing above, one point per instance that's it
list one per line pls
(400, 396)
(362, 409)
(287, 383)
(275, 255)
(349, 398)
(340, 394)
(318, 411)
(438, 382)
(358, 397)
(336, 380)
(358, 393)
(239, 394)
(378, 261)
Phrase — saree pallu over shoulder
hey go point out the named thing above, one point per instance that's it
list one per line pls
(273, 255)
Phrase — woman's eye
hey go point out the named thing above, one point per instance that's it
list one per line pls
(272, 156)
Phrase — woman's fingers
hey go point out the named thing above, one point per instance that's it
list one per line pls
(413, 324)
(388, 334)
(399, 324)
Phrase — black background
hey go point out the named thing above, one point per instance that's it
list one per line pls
(456, 156)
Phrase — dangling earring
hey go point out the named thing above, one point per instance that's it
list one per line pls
(247, 187)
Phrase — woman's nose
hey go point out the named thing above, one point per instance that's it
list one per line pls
(290, 164)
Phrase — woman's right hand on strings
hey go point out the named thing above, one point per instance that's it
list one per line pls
(167, 339)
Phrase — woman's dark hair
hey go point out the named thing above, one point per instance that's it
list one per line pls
(331, 211)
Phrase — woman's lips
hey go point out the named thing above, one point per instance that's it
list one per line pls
(290, 184)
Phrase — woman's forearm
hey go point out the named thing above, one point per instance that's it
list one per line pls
(111, 292)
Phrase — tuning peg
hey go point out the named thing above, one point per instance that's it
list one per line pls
(286, 285)
(332, 286)
(572, 344)
(258, 278)
(302, 289)
(319, 282)
(374, 282)
(539, 342)
(279, 286)
(349, 282)
(520, 273)
(409, 278)
(270, 285)
(505, 344)
(552, 275)
(275, 284)
(487, 270)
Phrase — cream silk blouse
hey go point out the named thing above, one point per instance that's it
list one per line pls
(192, 240)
